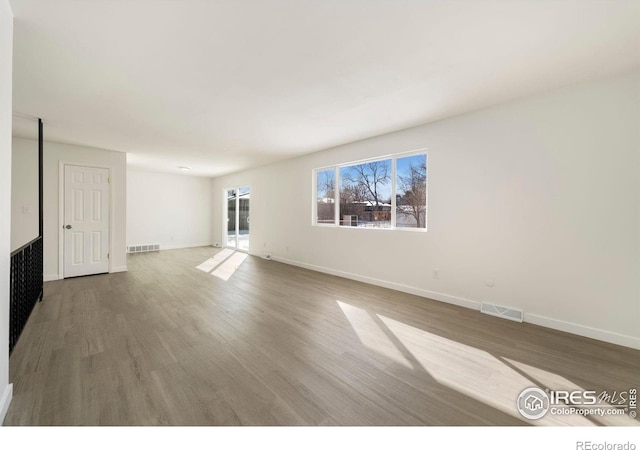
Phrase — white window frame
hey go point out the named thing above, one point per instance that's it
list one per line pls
(337, 167)
(336, 198)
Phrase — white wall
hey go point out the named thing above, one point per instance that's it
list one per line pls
(541, 196)
(171, 210)
(24, 192)
(54, 153)
(6, 52)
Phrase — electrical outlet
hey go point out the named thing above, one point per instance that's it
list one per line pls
(436, 274)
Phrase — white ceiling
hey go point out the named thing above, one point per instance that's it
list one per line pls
(224, 85)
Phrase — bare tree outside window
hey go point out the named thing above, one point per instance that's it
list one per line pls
(326, 188)
(411, 192)
(365, 194)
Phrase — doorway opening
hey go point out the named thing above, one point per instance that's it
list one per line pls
(238, 218)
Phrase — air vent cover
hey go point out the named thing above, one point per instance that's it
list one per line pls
(502, 311)
(143, 248)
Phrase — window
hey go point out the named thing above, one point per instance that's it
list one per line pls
(386, 193)
(411, 192)
(365, 194)
(325, 196)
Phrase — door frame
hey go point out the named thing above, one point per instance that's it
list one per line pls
(61, 179)
(225, 216)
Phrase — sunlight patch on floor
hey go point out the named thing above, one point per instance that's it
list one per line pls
(471, 371)
(371, 335)
(228, 268)
(217, 259)
(544, 377)
(488, 378)
(223, 264)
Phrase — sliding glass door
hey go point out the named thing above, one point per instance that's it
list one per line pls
(237, 210)
(232, 200)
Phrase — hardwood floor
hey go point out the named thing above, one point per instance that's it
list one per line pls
(168, 344)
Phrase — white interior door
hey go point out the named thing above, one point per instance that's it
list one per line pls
(86, 221)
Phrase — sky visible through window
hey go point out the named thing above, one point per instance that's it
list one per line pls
(403, 169)
(411, 191)
(362, 195)
(403, 165)
(350, 175)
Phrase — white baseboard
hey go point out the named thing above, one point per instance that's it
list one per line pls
(5, 401)
(446, 298)
(54, 277)
(178, 246)
(573, 328)
(582, 330)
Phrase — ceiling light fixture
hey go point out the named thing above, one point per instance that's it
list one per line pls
(185, 168)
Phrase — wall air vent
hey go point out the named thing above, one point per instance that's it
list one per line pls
(502, 311)
(143, 248)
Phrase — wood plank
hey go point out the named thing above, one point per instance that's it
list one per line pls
(169, 344)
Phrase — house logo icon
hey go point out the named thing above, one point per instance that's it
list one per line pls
(533, 403)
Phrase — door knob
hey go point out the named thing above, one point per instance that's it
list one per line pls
(68, 227)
